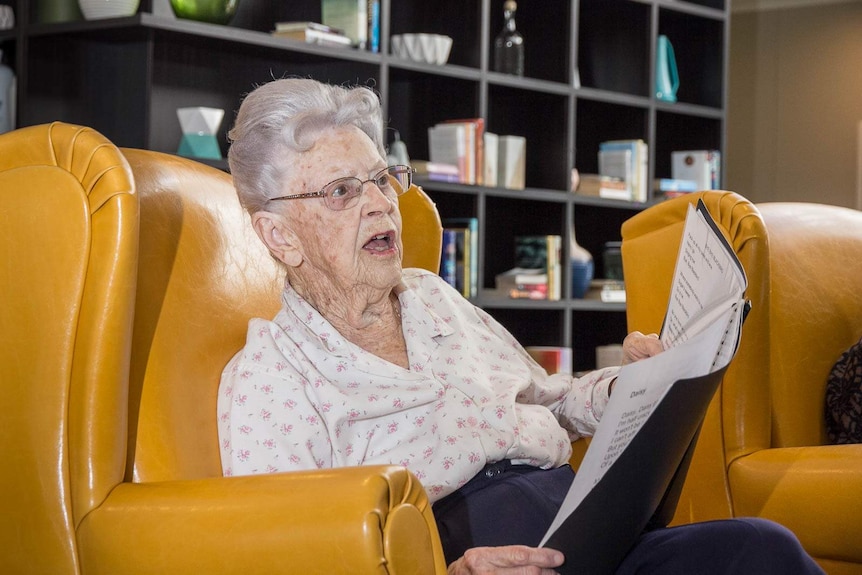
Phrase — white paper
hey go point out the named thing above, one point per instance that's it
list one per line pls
(707, 279)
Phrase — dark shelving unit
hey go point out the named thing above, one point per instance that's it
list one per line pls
(589, 78)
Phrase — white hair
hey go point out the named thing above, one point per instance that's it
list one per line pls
(286, 116)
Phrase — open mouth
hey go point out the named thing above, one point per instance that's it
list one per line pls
(380, 242)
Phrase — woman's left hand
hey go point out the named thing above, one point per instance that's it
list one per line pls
(637, 346)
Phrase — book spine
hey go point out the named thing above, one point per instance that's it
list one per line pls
(629, 161)
(447, 261)
(466, 263)
(474, 257)
(374, 26)
(530, 292)
(555, 246)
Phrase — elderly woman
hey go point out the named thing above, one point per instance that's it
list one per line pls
(369, 363)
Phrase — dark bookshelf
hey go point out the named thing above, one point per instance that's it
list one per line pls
(588, 78)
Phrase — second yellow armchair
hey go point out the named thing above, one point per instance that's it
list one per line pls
(762, 450)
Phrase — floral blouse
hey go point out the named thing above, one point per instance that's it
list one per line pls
(299, 396)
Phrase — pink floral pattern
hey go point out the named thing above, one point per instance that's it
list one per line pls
(299, 396)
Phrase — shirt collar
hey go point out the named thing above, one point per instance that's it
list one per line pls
(413, 309)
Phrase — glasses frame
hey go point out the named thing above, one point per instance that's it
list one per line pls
(322, 192)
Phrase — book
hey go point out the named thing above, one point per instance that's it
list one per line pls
(520, 278)
(453, 267)
(351, 16)
(545, 253)
(625, 484)
(447, 259)
(490, 159)
(436, 172)
(295, 26)
(701, 166)
(538, 291)
(474, 145)
(314, 36)
(374, 26)
(554, 359)
(511, 162)
(447, 144)
(470, 251)
(665, 185)
(602, 186)
(613, 291)
(627, 160)
(462, 263)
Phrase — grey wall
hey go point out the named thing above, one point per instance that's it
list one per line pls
(794, 104)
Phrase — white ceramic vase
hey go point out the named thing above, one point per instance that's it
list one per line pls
(98, 9)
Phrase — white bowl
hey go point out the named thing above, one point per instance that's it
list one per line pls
(425, 48)
(96, 9)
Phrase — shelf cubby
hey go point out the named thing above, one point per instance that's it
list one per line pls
(588, 78)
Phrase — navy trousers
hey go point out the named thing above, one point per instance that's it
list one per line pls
(509, 504)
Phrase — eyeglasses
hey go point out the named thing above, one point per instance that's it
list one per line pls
(343, 193)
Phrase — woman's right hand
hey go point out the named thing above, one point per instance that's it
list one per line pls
(508, 560)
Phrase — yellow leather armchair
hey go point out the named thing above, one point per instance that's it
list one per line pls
(69, 221)
(202, 275)
(762, 449)
(118, 318)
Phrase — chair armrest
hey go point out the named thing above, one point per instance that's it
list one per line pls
(374, 519)
(814, 491)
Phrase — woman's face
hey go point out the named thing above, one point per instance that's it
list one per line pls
(346, 249)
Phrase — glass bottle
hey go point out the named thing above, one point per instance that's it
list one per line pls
(509, 44)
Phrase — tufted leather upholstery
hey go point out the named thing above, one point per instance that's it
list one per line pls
(109, 442)
(761, 451)
(69, 221)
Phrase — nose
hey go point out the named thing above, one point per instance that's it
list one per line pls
(373, 199)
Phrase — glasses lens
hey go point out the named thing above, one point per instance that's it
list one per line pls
(392, 181)
(400, 178)
(341, 193)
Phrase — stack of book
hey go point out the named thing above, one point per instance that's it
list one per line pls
(537, 271)
(601, 186)
(523, 283)
(359, 19)
(672, 187)
(459, 264)
(555, 359)
(611, 291)
(479, 156)
(460, 143)
(628, 161)
(312, 33)
(436, 172)
(701, 166)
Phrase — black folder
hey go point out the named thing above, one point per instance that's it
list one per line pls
(641, 489)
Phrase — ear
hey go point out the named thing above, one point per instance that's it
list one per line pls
(274, 233)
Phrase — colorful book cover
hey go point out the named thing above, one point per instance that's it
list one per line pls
(471, 252)
(447, 261)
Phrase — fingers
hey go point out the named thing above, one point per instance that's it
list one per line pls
(637, 346)
(508, 560)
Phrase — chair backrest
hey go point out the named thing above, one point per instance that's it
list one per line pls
(738, 420)
(815, 254)
(203, 275)
(69, 221)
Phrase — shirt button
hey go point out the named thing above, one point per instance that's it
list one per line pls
(491, 472)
